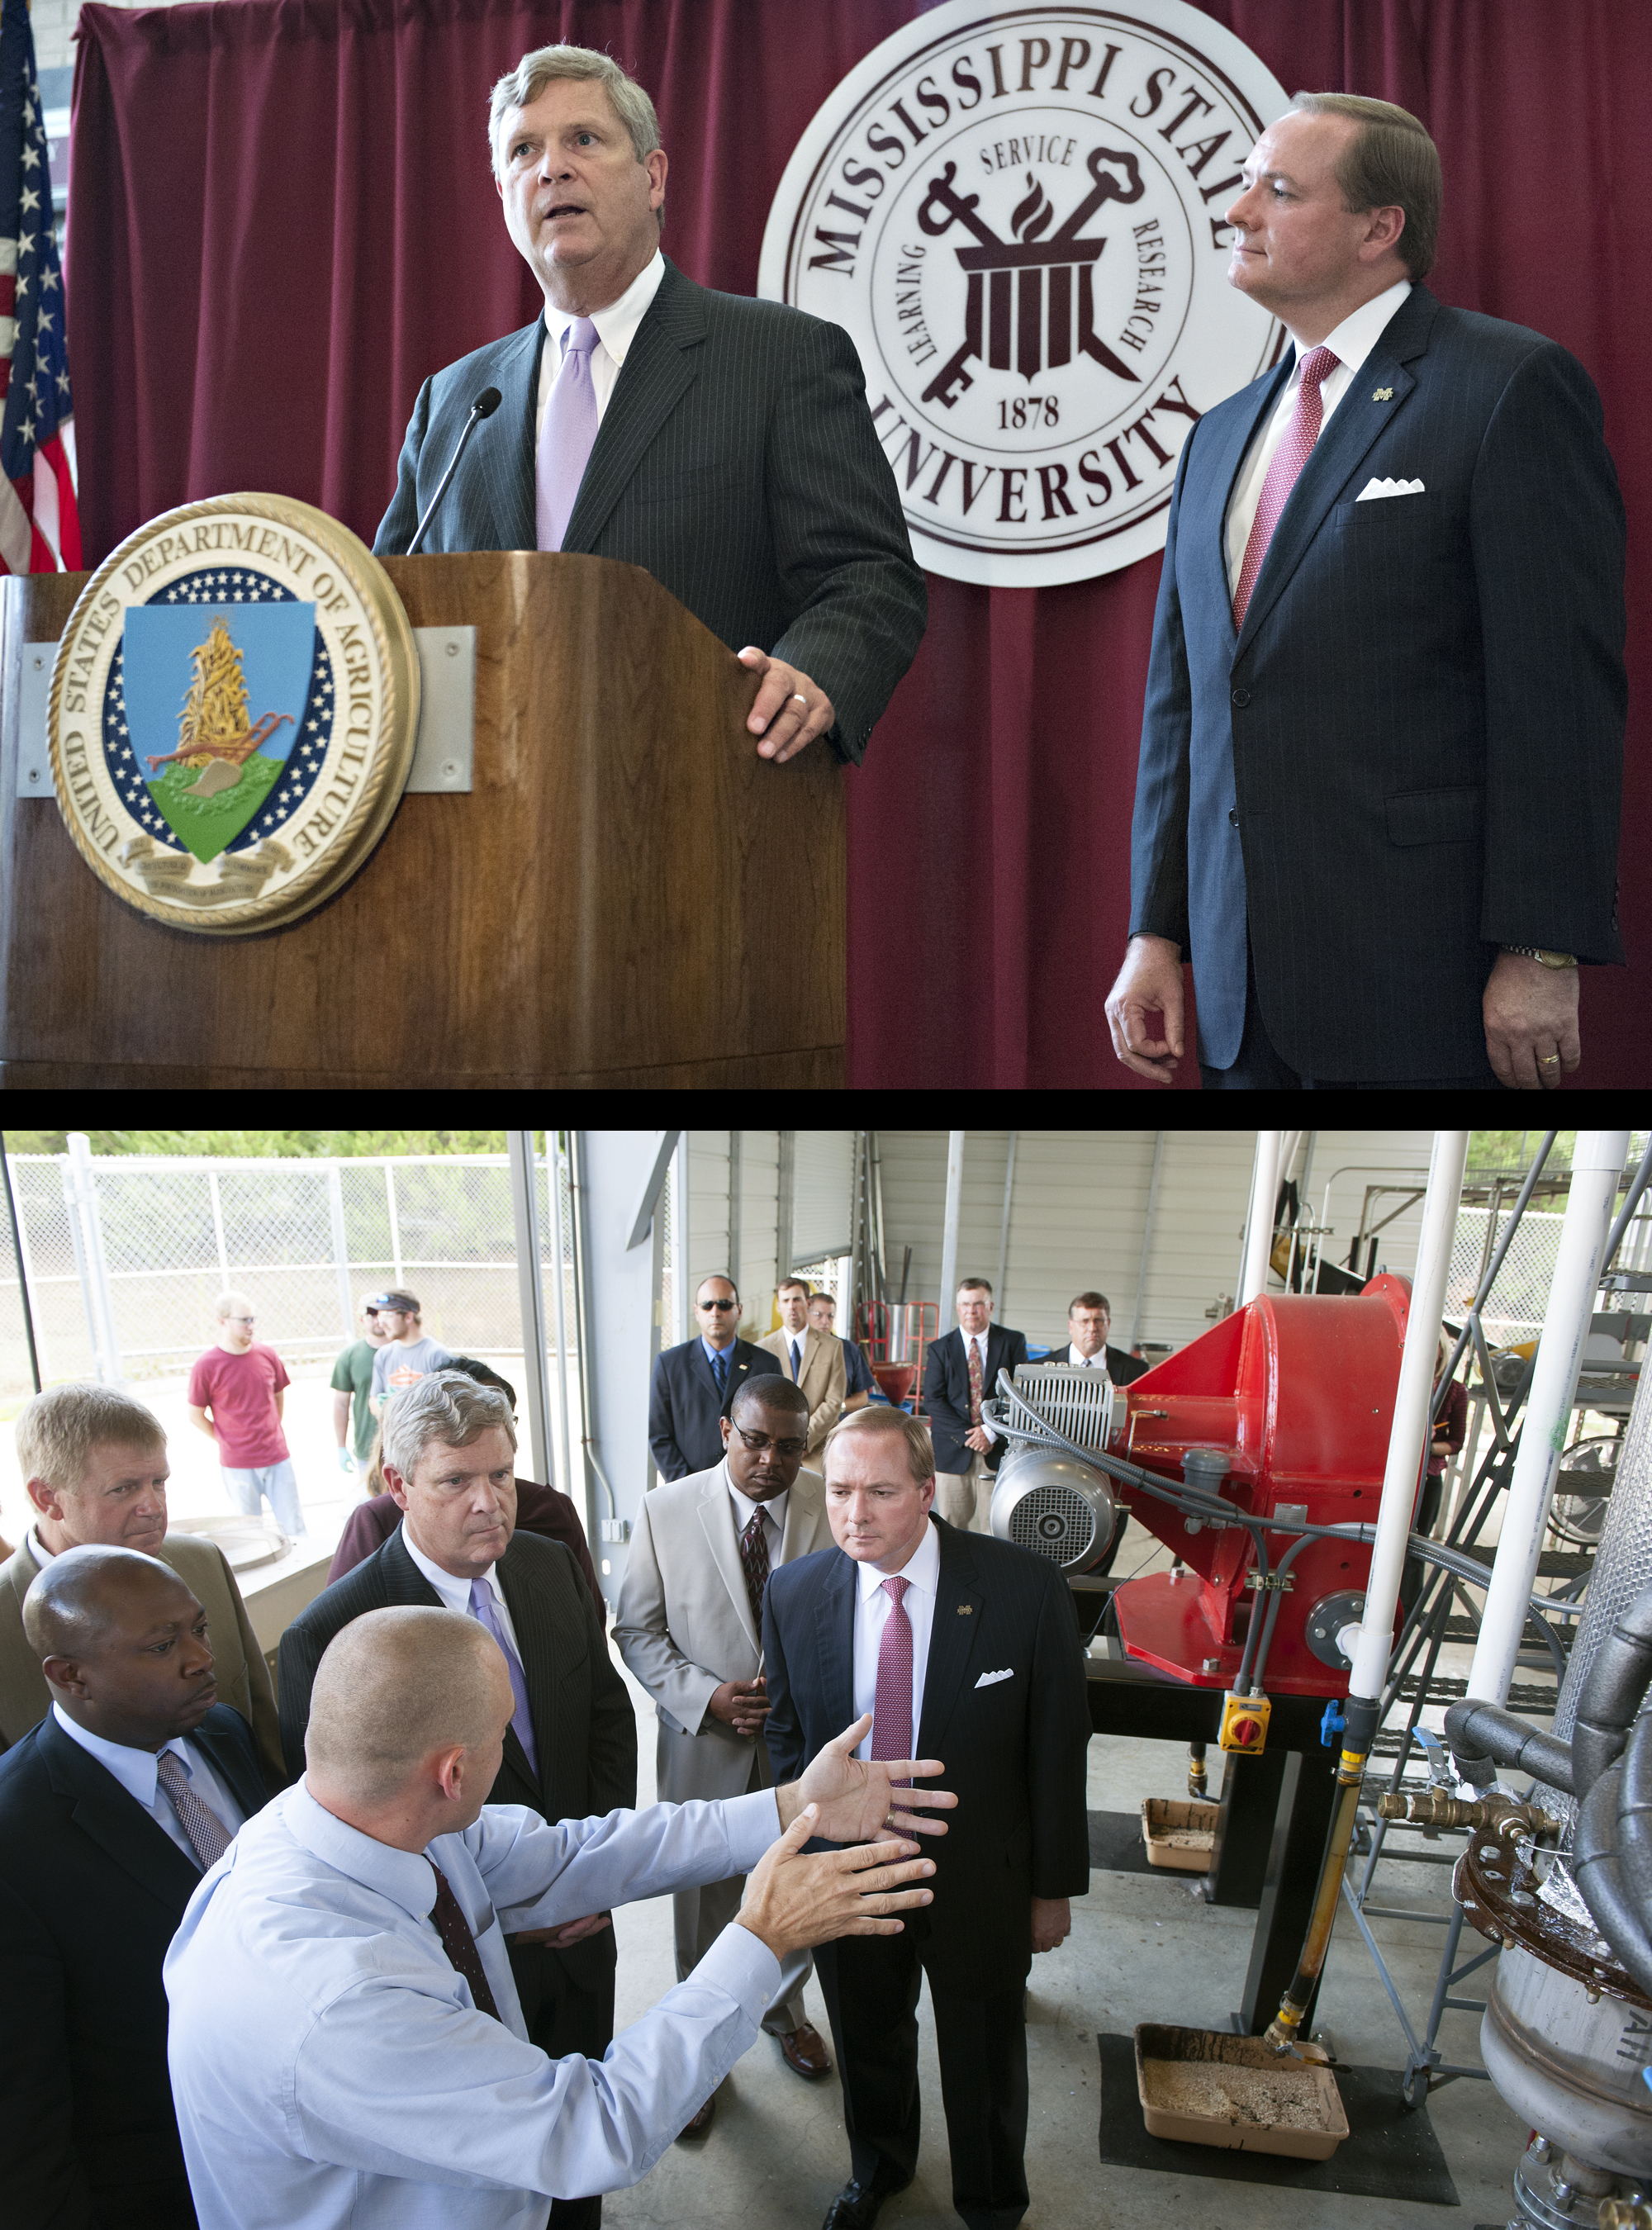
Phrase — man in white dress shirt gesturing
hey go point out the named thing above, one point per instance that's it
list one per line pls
(346, 2044)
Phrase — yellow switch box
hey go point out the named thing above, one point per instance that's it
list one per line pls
(1244, 1723)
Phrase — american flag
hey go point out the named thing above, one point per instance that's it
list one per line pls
(40, 526)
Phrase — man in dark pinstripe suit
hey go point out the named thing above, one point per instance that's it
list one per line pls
(734, 456)
(571, 1751)
(1382, 751)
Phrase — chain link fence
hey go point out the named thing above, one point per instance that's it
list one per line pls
(125, 1256)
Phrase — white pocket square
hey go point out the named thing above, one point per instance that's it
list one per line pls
(987, 1679)
(1373, 488)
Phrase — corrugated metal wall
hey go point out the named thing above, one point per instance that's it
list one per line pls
(1076, 1216)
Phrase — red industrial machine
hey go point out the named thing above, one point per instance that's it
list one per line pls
(1284, 1412)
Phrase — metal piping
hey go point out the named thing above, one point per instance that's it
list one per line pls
(1259, 1222)
(1003, 1232)
(1147, 1236)
(22, 1275)
(1597, 1168)
(949, 1230)
(553, 1173)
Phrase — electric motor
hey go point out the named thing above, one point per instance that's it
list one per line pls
(1054, 1505)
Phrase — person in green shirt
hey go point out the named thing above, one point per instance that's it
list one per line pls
(353, 1375)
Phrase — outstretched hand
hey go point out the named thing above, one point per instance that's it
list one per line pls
(793, 1901)
(856, 1797)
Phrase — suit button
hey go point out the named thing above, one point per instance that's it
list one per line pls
(1233, 816)
(1242, 698)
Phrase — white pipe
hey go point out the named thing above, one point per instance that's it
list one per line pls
(1259, 1225)
(949, 1229)
(1411, 1401)
(1597, 1169)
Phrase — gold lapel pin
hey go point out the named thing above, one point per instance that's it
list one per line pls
(1383, 395)
(964, 1609)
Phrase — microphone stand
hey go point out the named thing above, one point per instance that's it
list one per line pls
(484, 407)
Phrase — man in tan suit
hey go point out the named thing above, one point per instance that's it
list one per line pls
(689, 1626)
(93, 1464)
(812, 1359)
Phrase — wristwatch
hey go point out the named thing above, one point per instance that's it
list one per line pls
(1547, 959)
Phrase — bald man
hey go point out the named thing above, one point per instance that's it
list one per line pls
(111, 1809)
(351, 1965)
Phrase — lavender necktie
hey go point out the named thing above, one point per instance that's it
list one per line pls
(481, 1607)
(566, 439)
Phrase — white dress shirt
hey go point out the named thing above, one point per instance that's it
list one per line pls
(616, 330)
(330, 2067)
(1351, 341)
(137, 1772)
(872, 1606)
(800, 1341)
(1096, 1361)
(455, 1592)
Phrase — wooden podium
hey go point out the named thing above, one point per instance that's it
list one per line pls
(628, 895)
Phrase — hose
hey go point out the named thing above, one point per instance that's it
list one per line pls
(1484, 1733)
(1613, 1692)
(1596, 1867)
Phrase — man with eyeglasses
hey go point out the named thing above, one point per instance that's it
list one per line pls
(689, 1626)
(693, 1384)
(235, 1397)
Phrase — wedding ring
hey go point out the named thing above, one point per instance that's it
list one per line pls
(1548, 1058)
(797, 697)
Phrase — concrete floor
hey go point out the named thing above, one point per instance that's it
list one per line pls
(1143, 1948)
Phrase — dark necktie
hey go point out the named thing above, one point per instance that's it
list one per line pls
(754, 1562)
(459, 1943)
(208, 1838)
(720, 1371)
(797, 1364)
(892, 1704)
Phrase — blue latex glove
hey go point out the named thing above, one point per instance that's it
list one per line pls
(346, 1461)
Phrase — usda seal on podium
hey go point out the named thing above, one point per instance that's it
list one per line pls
(234, 710)
(1017, 215)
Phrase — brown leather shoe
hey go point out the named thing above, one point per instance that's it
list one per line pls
(804, 2049)
(697, 2125)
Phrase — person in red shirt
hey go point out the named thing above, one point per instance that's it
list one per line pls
(235, 1397)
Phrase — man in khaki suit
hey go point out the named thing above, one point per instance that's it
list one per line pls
(813, 1360)
(93, 1464)
(689, 1624)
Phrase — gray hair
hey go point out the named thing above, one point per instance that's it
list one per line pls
(921, 1449)
(447, 1406)
(536, 70)
(58, 1430)
(1390, 162)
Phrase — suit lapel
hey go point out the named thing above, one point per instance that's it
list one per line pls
(806, 1527)
(958, 1604)
(1335, 457)
(659, 366)
(834, 1640)
(404, 1582)
(536, 1643)
(715, 1511)
(119, 1826)
(244, 1783)
(501, 472)
(1216, 474)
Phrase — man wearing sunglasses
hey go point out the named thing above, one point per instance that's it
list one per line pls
(693, 1384)
(689, 1626)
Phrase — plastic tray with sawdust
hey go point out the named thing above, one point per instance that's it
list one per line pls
(1208, 2089)
(1180, 1834)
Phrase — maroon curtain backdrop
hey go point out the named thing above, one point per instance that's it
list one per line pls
(281, 219)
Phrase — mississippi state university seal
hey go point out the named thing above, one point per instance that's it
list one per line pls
(233, 709)
(1017, 215)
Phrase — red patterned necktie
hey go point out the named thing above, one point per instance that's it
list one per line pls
(892, 1706)
(754, 1562)
(1288, 459)
(459, 1943)
(975, 1382)
(208, 1838)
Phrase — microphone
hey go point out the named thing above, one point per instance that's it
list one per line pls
(484, 407)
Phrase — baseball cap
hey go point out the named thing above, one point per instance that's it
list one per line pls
(406, 1303)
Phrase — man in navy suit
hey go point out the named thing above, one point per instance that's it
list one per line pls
(1382, 748)
(111, 1810)
(695, 1383)
(731, 451)
(968, 1649)
(960, 1371)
